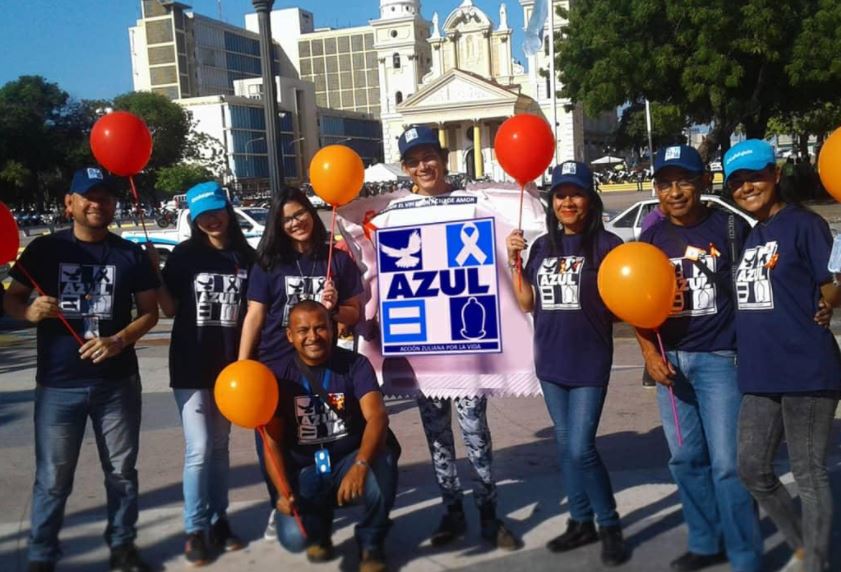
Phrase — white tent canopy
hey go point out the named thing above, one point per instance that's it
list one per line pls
(607, 160)
(384, 172)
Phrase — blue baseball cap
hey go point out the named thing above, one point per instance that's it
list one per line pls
(749, 155)
(572, 173)
(90, 178)
(205, 197)
(416, 136)
(680, 156)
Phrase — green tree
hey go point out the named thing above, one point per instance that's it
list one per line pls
(723, 62)
(176, 179)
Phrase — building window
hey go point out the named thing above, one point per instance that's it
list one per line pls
(394, 33)
(395, 60)
(398, 97)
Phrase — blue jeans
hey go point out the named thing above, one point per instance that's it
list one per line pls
(716, 506)
(575, 412)
(206, 459)
(316, 499)
(60, 418)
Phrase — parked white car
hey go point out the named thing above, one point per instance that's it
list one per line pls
(627, 225)
(252, 221)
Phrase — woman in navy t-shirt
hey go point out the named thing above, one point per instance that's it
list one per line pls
(204, 285)
(292, 266)
(574, 349)
(789, 368)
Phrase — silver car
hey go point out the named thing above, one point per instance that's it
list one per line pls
(627, 225)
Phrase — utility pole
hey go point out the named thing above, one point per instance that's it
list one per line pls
(275, 153)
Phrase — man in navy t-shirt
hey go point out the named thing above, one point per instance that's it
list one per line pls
(700, 342)
(91, 278)
(328, 438)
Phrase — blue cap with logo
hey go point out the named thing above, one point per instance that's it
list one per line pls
(680, 156)
(416, 136)
(749, 155)
(205, 197)
(572, 173)
(84, 180)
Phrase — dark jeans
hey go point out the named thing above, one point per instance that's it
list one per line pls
(315, 496)
(575, 413)
(60, 418)
(806, 423)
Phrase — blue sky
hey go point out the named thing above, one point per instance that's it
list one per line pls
(83, 45)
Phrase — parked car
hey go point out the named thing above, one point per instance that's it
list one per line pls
(252, 221)
(627, 224)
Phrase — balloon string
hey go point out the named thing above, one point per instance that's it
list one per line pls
(671, 392)
(269, 453)
(41, 292)
(519, 259)
(330, 249)
(138, 207)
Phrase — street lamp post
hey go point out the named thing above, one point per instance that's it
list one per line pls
(263, 8)
(248, 157)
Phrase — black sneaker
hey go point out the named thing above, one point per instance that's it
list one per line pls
(125, 558)
(452, 526)
(495, 532)
(577, 534)
(222, 538)
(691, 561)
(320, 552)
(196, 552)
(40, 566)
(372, 560)
(614, 550)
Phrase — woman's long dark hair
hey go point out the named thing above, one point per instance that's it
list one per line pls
(236, 239)
(276, 247)
(592, 226)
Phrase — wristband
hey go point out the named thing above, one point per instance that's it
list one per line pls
(362, 462)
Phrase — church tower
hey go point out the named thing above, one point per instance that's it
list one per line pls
(403, 55)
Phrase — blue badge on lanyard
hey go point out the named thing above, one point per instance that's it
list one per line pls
(322, 456)
(322, 462)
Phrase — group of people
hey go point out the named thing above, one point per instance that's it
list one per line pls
(747, 355)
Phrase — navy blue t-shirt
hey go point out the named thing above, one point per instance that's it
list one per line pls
(309, 424)
(781, 348)
(209, 286)
(94, 283)
(702, 314)
(287, 284)
(573, 329)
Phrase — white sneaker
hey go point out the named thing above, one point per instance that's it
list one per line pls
(271, 530)
(794, 565)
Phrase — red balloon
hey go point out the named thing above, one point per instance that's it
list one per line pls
(525, 147)
(9, 236)
(121, 143)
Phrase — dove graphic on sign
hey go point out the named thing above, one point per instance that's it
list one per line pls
(406, 257)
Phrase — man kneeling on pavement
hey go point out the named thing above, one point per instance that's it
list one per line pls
(331, 427)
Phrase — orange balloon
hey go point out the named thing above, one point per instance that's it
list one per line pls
(337, 174)
(637, 283)
(246, 393)
(829, 165)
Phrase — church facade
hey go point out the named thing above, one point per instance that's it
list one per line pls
(458, 75)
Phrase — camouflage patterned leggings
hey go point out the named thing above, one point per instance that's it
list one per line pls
(436, 415)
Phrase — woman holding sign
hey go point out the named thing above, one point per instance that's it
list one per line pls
(292, 266)
(573, 349)
(789, 368)
(204, 285)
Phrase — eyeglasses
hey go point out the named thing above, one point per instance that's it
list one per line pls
(736, 182)
(413, 163)
(682, 184)
(296, 217)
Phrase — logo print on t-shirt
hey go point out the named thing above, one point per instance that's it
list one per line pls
(217, 299)
(753, 279)
(695, 293)
(559, 282)
(317, 423)
(87, 290)
(300, 288)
